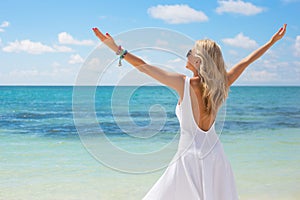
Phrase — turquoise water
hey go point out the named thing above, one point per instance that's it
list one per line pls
(42, 157)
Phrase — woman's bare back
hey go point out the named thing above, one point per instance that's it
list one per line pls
(201, 117)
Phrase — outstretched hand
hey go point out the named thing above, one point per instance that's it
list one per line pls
(280, 33)
(106, 39)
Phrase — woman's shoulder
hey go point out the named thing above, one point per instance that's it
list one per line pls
(196, 81)
(197, 84)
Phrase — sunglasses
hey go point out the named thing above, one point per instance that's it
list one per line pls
(189, 53)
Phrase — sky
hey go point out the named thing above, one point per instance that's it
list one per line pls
(47, 43)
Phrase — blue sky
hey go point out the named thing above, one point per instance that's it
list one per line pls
(47, 43)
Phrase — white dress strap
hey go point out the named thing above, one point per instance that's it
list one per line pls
(186, 93)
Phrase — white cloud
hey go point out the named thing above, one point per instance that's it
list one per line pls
(56, 64)
(233, 52)
(62, 48)
(160, 42)
(103, 17)
(273, 64)
(3, 25)
(94, 64)
(241, 41)
(27, 46)
(24, 73)
(34, 76)
(66, 38)
(239, 7)
(260, 76)
(176, 60)
(33, 47)
(297, 46)
(177, 14)
(75, 59)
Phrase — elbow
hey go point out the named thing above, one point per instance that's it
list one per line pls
(248, 60)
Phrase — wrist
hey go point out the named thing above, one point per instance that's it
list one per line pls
(115, 48)
(272, 41)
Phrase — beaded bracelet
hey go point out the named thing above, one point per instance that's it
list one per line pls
(119, 50)
(122, 54)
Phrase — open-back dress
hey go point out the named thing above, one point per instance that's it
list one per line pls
(200, 169)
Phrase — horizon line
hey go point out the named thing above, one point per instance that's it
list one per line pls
(69, 85)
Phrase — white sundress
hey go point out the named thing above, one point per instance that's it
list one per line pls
(200, 169)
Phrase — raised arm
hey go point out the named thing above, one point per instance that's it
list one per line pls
(237, 70)
(171, 79)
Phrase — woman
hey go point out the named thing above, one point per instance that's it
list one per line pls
(201, 170)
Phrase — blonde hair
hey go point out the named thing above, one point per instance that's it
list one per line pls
(212, 72)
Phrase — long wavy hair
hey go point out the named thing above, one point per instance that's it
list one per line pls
(212, 72)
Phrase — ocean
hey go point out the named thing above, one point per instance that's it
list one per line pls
(42, 156)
